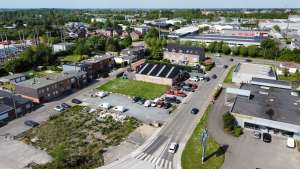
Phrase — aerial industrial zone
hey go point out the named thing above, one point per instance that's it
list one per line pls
(150, 89)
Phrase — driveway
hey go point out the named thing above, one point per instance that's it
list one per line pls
(247, 152)
(145, 114)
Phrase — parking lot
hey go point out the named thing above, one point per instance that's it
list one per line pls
(16, 155)
(145, 114)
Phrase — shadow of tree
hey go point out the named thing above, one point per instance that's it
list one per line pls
(220, 151)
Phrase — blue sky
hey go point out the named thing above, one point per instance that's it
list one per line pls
(150, 4)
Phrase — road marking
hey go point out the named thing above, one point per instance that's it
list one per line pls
(147, 158)
(158, 160)
(151, 158)
(161, 165)
(170, 165)
(139, 155)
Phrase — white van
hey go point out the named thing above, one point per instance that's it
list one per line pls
(105, 105)
(290, 143)
(173, 148)
(119, 109)
(101, 94)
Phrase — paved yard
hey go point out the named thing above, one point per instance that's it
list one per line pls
(16, 155)
(145, 114)
(247, 152)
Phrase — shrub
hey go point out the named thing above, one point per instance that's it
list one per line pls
(238, 130)
(229, 121)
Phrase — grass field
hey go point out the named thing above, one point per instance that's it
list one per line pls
(228, 78)
(33, 73)
(75, 139)
(291, 77)
(72, 58)
(134, 88)
(191, 156)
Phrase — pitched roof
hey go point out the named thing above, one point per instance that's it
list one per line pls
(185, 49)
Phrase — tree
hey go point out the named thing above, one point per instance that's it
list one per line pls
(126, 42)
(243, 51)
(212, 46)
(226, 49)
(285, 72)
(236, 51)
(276, 28)
(253, 51)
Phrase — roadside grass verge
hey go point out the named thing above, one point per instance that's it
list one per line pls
(134, 88)
(228, 78)
(191, 156)
(75, 139)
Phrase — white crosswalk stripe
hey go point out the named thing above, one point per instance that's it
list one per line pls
(160, 162)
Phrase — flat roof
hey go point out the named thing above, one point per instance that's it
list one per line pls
(286, 107)
(238, 91)
(218, 37)
(36, 83)
(271, 82)
(255, 69)
(9, 77)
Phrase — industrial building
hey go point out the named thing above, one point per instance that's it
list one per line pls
(266, 107)
(15, 78)
(183, 54)
(158, 73)
(244, 72)
(47, 88)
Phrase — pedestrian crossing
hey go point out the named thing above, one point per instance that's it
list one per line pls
(159, 162)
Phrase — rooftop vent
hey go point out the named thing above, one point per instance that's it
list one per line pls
(263, 93)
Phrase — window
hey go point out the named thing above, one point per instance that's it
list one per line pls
(19, 110)
(28, 106)
(47, 89)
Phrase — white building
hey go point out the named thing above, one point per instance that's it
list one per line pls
(61, 47)
(244, 72)
(289, 66)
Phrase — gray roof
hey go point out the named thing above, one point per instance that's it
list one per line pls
(185, 49)
(285, 106)
(271, 83)
(10, 77)
(4, 108)
(9, 99)
(36, 83)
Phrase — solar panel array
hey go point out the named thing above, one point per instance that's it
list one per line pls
(159, 70)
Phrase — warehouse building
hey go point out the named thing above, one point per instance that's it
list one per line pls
(268, 109)
(244, 72)
(158, 73)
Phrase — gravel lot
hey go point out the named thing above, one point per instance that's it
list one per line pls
(145, 114)
(16, 155)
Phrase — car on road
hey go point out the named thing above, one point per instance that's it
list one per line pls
(256, 134)
(105, 105)
(290, 143)
(194, 111)
(231, 59)
(119, 109)
(76, 101)
(135, 99)
(248, 60)
(102, 94)
(214, 76)
(225, 66)
(167, 105)
(267, 138)
(147, 103)
(194, 79)
(65, 106)
(31, 123)
(59, 108)
(173, 148)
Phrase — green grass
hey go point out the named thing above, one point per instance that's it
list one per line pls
(33, 73)
(291, 77)
(191, 156)
(134, 88)
(75, 139)
(72, 58)
(228, 78)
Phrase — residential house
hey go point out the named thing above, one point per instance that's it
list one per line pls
(59, 47)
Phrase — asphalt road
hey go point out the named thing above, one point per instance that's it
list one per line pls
(178, 129)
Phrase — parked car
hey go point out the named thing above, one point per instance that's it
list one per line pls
(225, 66)
(194, 111)
(173, 148)
(167, 105)
(267, 137)
(65, 106)
(256, 134)
(119, 109)
(105, 105)
(135, 99)
(31, 123)
(248, 60)
(194, 79)
(141, 101)
(231, 59)
(3, 123)
(76, 101)
(59, 108)
(290, 143)
(172, 100)
(214, 76)
(147, 103)
(187, 88)
(102, 94)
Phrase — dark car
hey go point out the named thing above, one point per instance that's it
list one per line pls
(187, 88)
(194, 111)
(141, 101)
(248, 60)
(172, 100)
(76, 101)
(31, 123)
(207, 79)
(231, 59)
(267, 138)
(135, 99)
(225, 66)
(214, 76)
(3, 123)
(65, 106)
(167, 105)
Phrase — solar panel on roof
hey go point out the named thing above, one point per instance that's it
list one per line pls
(165, 71)
(147, 69)
(174, 73)
(156, 70)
